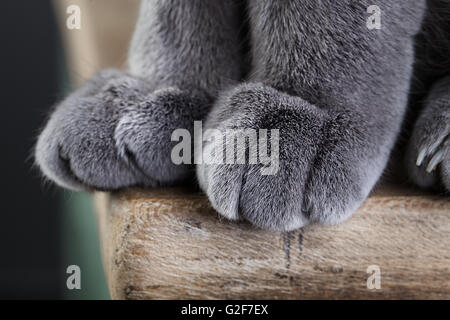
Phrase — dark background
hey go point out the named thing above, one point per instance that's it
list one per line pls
(30, 57)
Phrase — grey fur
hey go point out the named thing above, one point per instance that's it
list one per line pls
(330, 89)
(337, 91)
(428, 156)
(115, 131)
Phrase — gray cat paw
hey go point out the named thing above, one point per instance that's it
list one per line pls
(317, 178)
(114, 132)
(428, 156)
(143, 135)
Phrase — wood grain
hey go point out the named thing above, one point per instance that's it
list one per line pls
(170, 244)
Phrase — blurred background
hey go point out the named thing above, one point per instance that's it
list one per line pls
(44, 229)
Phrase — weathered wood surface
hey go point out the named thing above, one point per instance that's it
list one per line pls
(170, 244)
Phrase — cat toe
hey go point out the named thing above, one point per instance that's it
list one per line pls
(428, 152)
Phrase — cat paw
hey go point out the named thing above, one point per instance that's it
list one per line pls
(143, 135)
(319, 170)
(428, 155)
(115, 132)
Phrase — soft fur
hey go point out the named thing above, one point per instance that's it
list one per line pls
(338, 92)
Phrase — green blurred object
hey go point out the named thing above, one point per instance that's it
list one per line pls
(79, 233)
(81, 247)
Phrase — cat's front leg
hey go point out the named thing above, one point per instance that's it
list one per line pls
(115, 131)
(335, 90)
(428, 155)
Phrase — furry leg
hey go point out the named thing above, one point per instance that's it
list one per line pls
(428, 155)
(335, 89)
(115, 131)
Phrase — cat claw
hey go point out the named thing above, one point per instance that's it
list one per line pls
(421, 156)
(436, 158)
